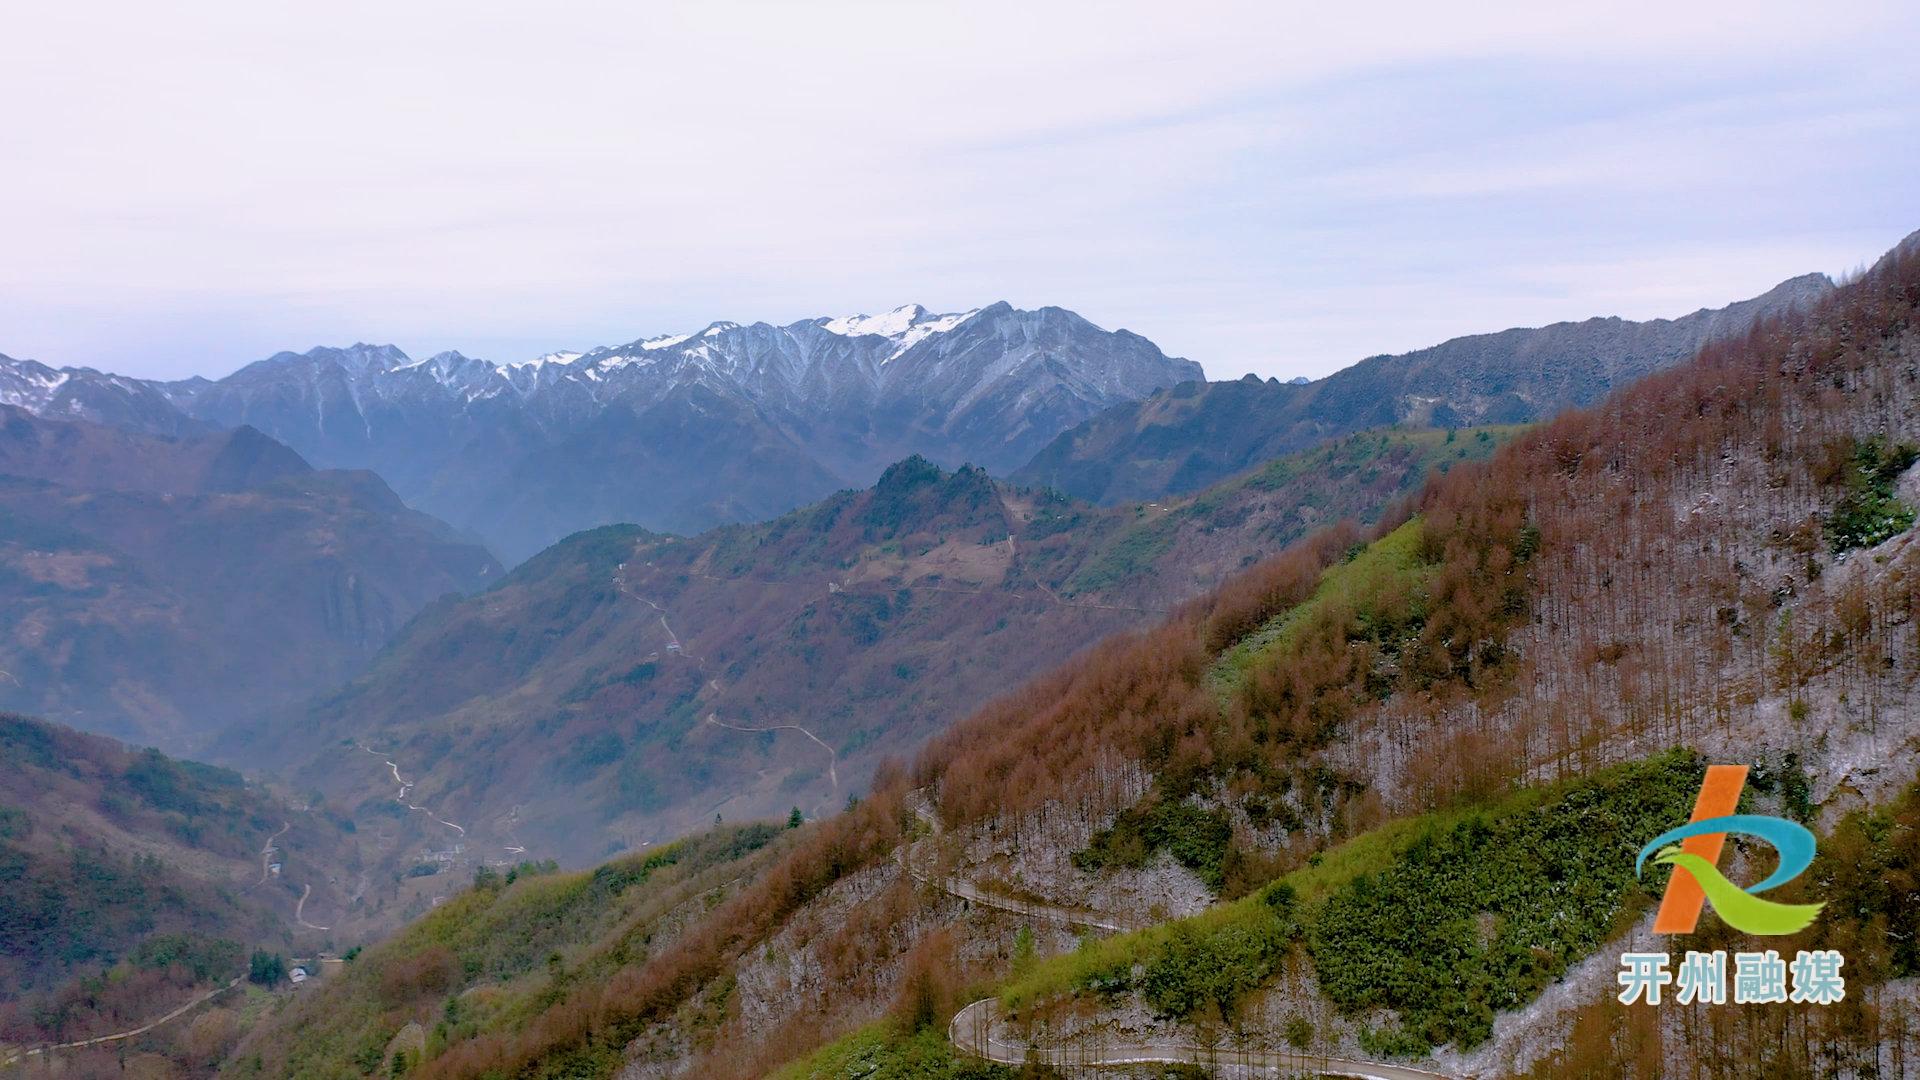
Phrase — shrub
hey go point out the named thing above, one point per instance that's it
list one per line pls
(1299, 1032)
(428, 973)
(266, 968)
(1196, 971)
(1482, 915)
(1868, 512)
(1196, 837)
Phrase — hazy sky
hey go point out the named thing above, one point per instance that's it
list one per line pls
(1269, 187)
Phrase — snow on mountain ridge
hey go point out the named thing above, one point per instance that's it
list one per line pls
(31, 385)
(906, 326)
(561, 356)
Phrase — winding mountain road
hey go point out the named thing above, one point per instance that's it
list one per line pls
(676, 646)
(407, 786)
(833, 756)
(963, 889)
(120, 1035)
(266, 852)
(266, 859)
(300, 910)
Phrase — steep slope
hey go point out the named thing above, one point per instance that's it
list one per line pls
(1494, 699)
(152, 870)
(624, 685)
(166, 587)
(1189, 436)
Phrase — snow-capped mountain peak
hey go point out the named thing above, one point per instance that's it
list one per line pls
(664, 341)
(891, 324)
(29, 384)
(906, 326)
(561, 357)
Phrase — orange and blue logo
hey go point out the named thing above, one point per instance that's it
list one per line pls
(1693, 851)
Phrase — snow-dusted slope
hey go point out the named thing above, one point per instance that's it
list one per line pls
(86, 394)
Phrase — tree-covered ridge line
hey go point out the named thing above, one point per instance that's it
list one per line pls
(133, 884)
(883, 614)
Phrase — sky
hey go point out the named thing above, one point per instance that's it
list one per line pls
(1266, 187)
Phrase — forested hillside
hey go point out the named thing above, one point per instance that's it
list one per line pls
(1716, 564)
(131, 882)
(505, 949)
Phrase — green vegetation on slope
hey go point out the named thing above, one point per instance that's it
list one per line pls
(1444, 918)
(1869, 513)
(492, 958)
(1195, 836)
(1299, 673)
(879, 1052)
(1383, 584)
(1281, 501)
(74, 893)
(1482, 915)
(1868, 872)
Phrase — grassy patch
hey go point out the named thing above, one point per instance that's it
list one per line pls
(878, 1052)
(1130, 555)
(1388, 565)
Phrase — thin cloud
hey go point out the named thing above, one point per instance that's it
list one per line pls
(1254, 187)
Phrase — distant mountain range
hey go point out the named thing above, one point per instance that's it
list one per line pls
(678, 433)
(160, 587)
(142, 518)
(1186, 437)
(735, 423)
